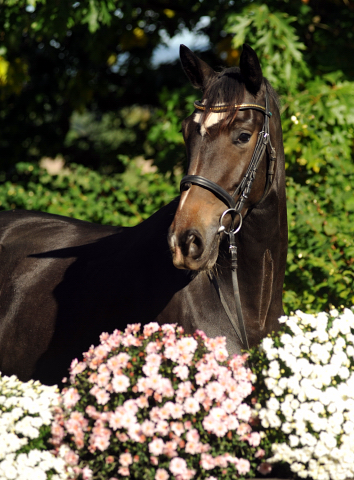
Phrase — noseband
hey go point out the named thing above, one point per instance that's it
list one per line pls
(235, 206)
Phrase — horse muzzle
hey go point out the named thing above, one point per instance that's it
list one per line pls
(189, 249)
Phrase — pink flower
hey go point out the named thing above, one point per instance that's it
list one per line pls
(152, 347)
(120, 383)
(100, 442)
(171, 353)
(130, 341)
(71, 458)
(192, 447)
(162, 427)
(156, 446)
(177, 428)
(178, 466)
(71, 397)
(122, 437)
(125, 459)
(130, 406)
(254, 439)
(221, 354)
(148, 428)
(167, 388)
(228, 405)
(153, 359)
(124, 471)
(193, 435)
(155, 414)
(116, 363)
(264, 468)
(231, 422)
(102, 396)
(207, 461)
(150, 328)
(181, 371)
(161, 474)
(155, 381)
(243, 466)
(220, 429)
(191, 405)
(187, 344)
(214, 390)
(185, 358)
(103, 379)
(259, 453)
(92, 412)
(115, 420)
(243, 429)
(244, 412)
(201, 378)
(149, 370)
(142, 384)
(128, 421)
(86, 473)
(77, 368)
(176, 410)
(200, 395)
(170, 449)
(101, 352)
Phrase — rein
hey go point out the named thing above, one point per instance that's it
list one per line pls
(235, 206)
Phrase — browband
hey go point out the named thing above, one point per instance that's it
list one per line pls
(223, 108)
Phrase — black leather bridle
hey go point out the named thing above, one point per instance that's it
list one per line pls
(235, 206)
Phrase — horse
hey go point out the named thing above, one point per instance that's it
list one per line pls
(64, 281)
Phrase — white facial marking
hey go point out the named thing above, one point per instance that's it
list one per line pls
(213, 119)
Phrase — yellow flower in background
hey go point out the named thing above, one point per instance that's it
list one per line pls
(4, 68)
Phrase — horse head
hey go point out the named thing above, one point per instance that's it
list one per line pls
(229, 170)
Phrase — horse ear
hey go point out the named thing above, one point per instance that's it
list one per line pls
(198, 72)
(251, 69)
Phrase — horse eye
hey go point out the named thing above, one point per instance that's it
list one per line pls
(244, 137)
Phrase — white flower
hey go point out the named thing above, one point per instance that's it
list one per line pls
(320, 398)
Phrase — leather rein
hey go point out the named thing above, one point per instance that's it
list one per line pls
(235, 206)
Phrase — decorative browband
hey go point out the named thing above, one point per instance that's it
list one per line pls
(220, 108)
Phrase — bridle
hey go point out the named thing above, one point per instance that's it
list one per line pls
(235, 206)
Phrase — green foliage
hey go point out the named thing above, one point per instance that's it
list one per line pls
(79, 192)
(165, 136)
(272, 34)
(77, 79)
(321, 245)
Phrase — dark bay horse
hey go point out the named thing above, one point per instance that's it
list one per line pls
(64, 281)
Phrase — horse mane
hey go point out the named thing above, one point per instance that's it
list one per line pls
(228, 88)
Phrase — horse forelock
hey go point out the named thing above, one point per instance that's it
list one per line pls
(227, 88)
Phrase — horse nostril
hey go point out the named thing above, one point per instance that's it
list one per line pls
(194, 246)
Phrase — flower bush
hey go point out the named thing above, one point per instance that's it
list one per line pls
(26, 413)
(158, 404)
(305, 394)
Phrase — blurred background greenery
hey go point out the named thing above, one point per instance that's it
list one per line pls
(91, 102)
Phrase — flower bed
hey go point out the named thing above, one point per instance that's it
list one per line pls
(25, 419)
(158, 404)
(305, 394)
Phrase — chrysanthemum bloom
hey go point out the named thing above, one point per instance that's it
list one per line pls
(161, 474)
(125, 459)
(149, 395)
